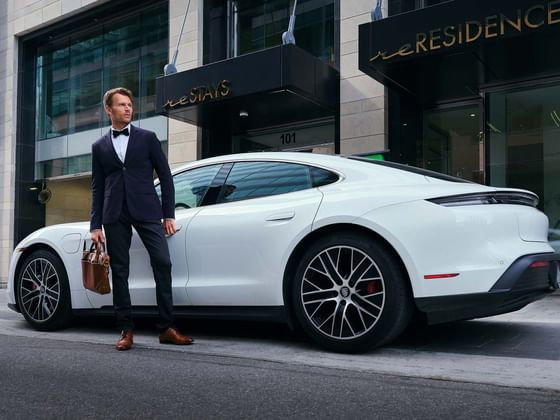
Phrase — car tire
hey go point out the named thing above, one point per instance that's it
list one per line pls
(350, 294)
(42, 291)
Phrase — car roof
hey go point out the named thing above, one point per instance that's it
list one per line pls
(351, 167)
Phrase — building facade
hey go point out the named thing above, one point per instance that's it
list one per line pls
(459, 86)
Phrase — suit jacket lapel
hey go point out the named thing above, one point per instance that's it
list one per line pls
(130, 142)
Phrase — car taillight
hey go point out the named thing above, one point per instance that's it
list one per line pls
(519, 198)
(540, 264)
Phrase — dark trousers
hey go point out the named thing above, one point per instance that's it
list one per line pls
(119, 236)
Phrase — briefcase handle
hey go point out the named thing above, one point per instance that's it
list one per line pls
(94, 246)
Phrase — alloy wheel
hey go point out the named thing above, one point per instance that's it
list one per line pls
(39, 290)
(343, 292)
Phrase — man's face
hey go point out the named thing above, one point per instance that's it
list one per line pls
(120, 110)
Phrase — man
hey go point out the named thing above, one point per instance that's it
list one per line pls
(123, 196)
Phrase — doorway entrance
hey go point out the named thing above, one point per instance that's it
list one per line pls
(523, 130)
(452, 142)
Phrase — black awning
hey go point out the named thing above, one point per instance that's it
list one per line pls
(275, 86)
(452, 49)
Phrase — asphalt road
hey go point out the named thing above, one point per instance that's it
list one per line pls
(52, 379)
(500, 367)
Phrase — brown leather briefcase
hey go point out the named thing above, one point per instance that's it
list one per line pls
(95, 269)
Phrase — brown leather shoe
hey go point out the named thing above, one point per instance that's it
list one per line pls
(125, 342)
(173, 336)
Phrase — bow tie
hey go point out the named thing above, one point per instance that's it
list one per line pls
(117, 133)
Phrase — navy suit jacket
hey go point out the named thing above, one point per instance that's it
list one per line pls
(114, 181)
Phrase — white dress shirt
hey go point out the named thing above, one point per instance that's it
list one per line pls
(120, 143)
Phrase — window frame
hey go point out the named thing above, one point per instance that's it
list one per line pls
(204, 201)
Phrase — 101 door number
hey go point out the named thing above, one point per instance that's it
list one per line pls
(288, 138)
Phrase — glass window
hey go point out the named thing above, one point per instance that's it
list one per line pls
(260, 179)
(259, 24)
(75, 71)
(52, 87)
(322, 177)
(401, 6)
(523, 127)
(452, 143)
(191, 186)
(86, 62)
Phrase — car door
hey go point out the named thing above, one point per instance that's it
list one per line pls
(237, 249)
(190, 189)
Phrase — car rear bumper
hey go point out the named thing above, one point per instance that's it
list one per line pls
(528, 279)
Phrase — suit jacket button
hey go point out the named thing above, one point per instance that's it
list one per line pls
(123, 168)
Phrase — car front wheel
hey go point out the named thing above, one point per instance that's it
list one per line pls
(42, 291)
(350, 293)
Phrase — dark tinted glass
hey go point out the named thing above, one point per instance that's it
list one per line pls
(191, 186)
(401, 6)
(321, 177)
(259, 179)
(74, 72)
(238, 27)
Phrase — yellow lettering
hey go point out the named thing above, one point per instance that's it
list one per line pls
(376, 56)
(225, 88)
(514, 24)
(208, 93)
(420, 40)
(450, 36)
(460, 34)
(491, 27)
(553, 9)
(403, 51)
(468, 35)
(538, 23)
(193, 99)
(434, 38)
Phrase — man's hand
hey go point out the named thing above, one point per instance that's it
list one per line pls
(169, 227)
(97, 236)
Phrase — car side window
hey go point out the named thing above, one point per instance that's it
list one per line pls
(320, 177)
(192, 185)
(260, 179)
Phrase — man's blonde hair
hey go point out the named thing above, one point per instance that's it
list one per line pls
(108, 97)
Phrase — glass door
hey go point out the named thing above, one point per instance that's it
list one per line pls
(523, 129)
(452, 142)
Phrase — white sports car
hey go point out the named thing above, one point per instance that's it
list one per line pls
(347, 248)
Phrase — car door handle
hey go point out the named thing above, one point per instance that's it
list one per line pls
(278, 217)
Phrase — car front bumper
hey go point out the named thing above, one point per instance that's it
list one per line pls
(528, 279)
